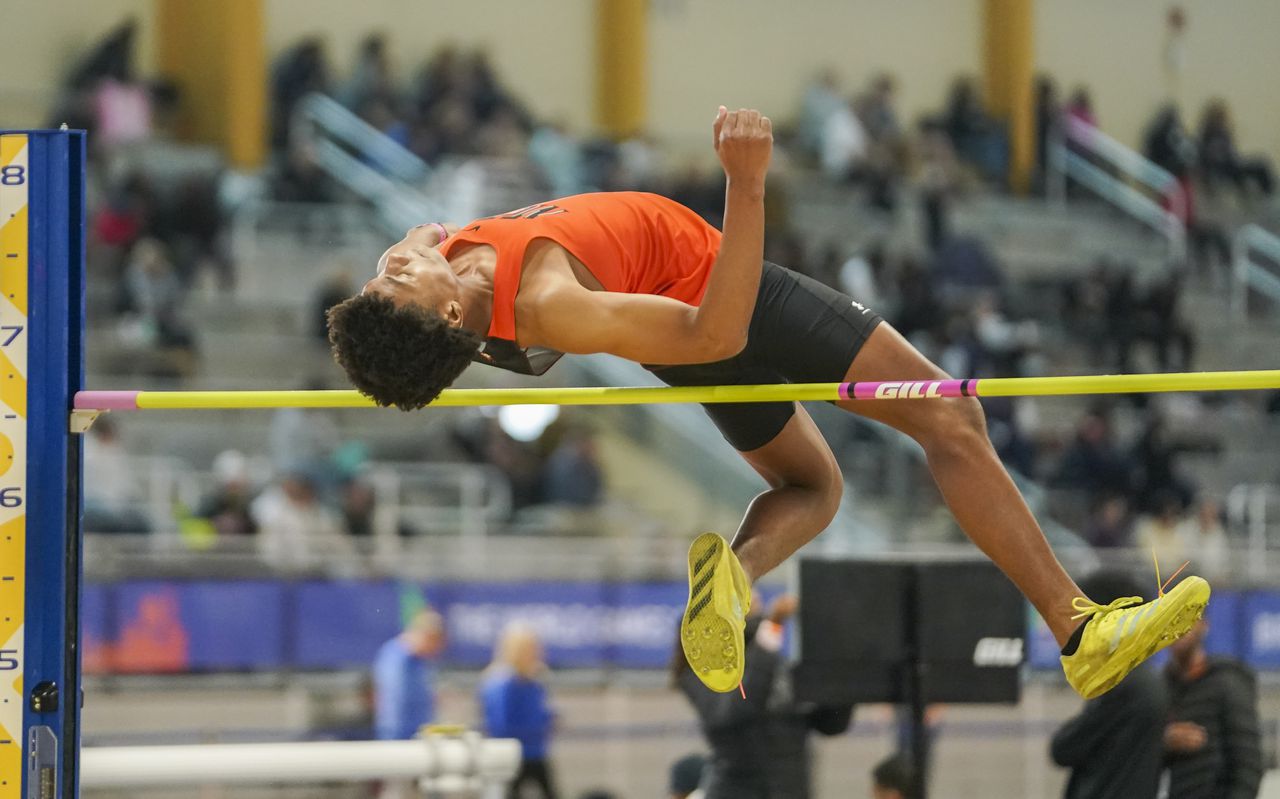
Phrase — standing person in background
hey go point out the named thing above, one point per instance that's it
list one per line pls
(760, 742)
(893, 778)
(1212, 740)
(1113, 746)
(404, 687)
(404, 678)
(514, 702)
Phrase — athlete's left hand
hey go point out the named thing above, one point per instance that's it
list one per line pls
(744, 143)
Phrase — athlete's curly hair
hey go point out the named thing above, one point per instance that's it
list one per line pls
(397, 356)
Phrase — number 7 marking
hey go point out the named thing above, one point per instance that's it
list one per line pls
(16, 329)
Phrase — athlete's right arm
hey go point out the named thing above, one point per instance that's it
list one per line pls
(644, 328)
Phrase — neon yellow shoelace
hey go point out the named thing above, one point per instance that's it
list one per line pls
(1087, 608)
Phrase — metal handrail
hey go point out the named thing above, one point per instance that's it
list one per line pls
(1247, 272)
(1166, 216)
(1246, 506)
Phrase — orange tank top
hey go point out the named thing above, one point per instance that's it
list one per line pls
(632, 242)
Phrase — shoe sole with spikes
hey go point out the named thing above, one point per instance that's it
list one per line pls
(711, 630)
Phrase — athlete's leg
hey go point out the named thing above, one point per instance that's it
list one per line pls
(974, 483)
(804, 492)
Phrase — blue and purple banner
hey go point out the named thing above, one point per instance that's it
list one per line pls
(199, 626)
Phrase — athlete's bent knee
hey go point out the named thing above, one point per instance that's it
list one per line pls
(957, 425)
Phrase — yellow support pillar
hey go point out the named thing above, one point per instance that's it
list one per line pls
(215, 51)
(1008, 62)
(622, 66)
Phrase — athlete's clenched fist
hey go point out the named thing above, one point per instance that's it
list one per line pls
(744, 142)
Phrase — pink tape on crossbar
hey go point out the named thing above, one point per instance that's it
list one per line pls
(107, 400)
(909, 389)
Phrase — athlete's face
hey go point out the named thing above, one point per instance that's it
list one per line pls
(412, 272)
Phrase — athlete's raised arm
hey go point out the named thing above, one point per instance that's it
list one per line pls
(659, 330)
(744, 144)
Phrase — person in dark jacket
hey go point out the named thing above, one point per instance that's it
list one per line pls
(1113, 746)
(1212, 739)
(760, 744)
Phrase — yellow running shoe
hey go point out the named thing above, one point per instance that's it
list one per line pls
(712, 627)
(1119, 636)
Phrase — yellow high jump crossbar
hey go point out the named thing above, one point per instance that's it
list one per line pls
(785, 392)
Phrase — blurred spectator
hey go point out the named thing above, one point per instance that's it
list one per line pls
(887, 150)
(1161, 323)
(1110, 524)
(112, 497)
(1113, 746)
(893, 778)
(304, 440)
(227, 507)
(371, 79)
(513, 699)
(701, 191)
(193, 227)
(110, 59)
(760, 744)
(1094, 463)
(940, 182)
(1005, 417)
(573, 475)
(358, 503)
(156, 295)
(1048, 119)
(558, 156)
(1008, 344)
(1162, 533)
(879, 117)
(1220, 162)
(296, 531)
(336, 287)
(861, 276)
(382, 117)
(1169, 146)
(685, 778)
(1212, 740)
(122, 113)
(1207, 540)
(1080, 107)
(978, 139)
(1158, 476)
(830, 130)
(298, 178)
(404, 678)
(300, 70)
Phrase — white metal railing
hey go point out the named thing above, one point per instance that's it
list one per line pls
(1247, 505)
(464, 499)
(1251, 272)
(403, 190)
(467, 765)
(1128, 181)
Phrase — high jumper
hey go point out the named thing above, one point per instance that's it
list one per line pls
(644, 278)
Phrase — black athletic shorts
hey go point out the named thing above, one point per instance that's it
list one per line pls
(801, 332)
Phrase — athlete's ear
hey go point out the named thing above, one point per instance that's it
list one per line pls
(453, 313)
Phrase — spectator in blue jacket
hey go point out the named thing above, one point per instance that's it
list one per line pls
(404, 678)
(514, 702)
